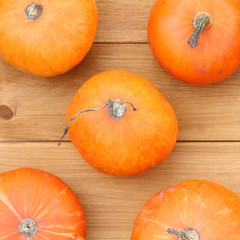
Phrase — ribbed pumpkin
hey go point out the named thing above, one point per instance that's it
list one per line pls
(192, 210)
(37, 205)
(46, 37)
(134, 129)
(197, 41)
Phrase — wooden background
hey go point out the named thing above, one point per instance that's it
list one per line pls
(209, 119)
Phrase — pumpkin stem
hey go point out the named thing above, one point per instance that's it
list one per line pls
(185, 234)
(28, 227)
(34, 11)
(116, 110)
(201, 21)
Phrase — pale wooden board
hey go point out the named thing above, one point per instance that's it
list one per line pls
(123, 20)
(205, 113)
(111, 204)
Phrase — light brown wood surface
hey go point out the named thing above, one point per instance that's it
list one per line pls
(209, 124)
(111, 204)
(209, 113)
(123, 21)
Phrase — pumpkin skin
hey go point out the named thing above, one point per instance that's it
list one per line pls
(217, 54)
(136, 142)
(41, 196)
(51, 45)
(209, 208)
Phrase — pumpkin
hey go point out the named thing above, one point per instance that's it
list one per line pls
(37, 205)
(46, 37)
(121, 124)
(197, 41)
(192, 210)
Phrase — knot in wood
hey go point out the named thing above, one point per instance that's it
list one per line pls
(6, 112)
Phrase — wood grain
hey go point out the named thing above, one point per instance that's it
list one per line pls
(123, 21)
(205, 113)
(111, 204)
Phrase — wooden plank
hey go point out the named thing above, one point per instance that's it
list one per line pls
(123, 21)
(110, 203)
(205, 113)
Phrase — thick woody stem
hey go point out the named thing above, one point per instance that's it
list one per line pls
(34, 11)
(201, 21)
(28, 227)
(116, 110)
(185, 234)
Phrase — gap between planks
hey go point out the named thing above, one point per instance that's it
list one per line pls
(121, 43)
(180, 141)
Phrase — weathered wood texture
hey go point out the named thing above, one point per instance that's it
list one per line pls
(111, 204)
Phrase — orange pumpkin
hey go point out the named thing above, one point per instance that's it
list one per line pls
(46, 37)
(192, 210)
(197, 41)
(37, 205)
(117, 140)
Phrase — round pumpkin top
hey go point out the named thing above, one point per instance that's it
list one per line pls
(192, 210)
(46, 37)
(135, 141)
(38, 205)
(211, 58)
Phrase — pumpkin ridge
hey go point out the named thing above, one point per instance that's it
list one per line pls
(9, 205)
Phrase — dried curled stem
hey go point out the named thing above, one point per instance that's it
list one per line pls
(116, 110)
